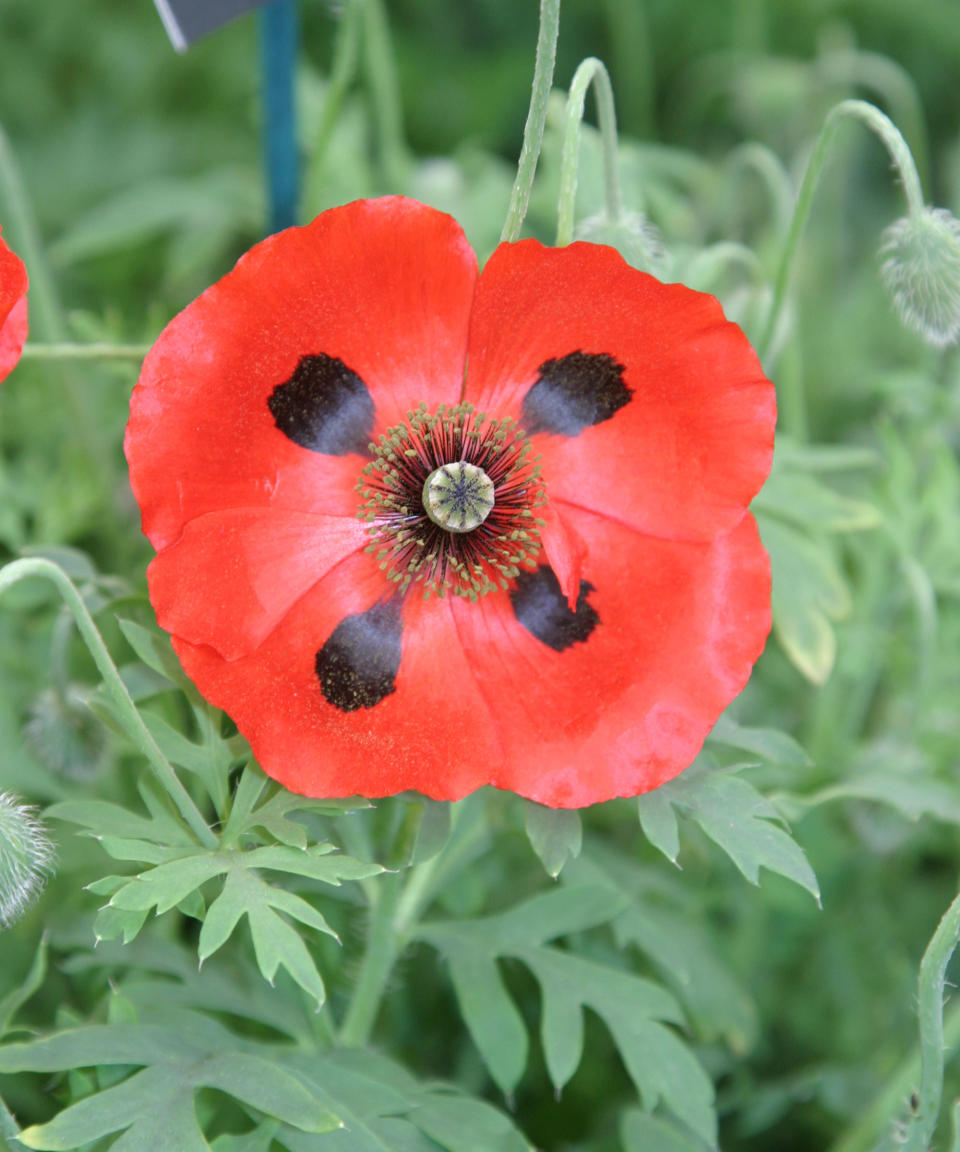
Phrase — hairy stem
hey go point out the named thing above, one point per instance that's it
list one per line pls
(385, 95)
(536, 119)
(903, 161)
(342, 72)
(138, 732)
(378, 960)
(590, 71)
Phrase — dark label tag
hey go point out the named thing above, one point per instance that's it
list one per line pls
(188, 20)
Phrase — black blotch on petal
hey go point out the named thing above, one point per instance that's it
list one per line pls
(573, 392)
(357, 667)
(542, 609)
(324, 406)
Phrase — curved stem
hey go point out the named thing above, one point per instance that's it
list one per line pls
(590, 71)
(102, 351)
(903, 161)
(769, 169)
(933, 971)
(138, 732)
(536, 119)
(342, 72)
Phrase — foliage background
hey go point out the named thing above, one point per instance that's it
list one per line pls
(142, 174)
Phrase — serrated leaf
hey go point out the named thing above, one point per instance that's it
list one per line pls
(631, 1007)
(555, 834)
(742, 822)
(154, 1107)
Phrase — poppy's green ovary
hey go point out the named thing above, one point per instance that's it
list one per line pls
(458, 497)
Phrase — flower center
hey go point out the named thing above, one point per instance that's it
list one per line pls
(450, 498)
(458, 497)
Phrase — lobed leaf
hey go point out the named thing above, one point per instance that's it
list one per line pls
(739, 820)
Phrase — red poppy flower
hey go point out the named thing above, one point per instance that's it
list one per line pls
(420, 528)
(13, 309)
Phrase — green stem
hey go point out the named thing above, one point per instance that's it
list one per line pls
(342, 72)
(375, 968)
(536, 120)
(903, 161)
(385, 94)
(933, 972)
(138, 732)
(46, 315)
(590, 71)
(64, 351)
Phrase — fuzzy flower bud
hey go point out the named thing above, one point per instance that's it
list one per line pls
(26, 857)
(921, 269)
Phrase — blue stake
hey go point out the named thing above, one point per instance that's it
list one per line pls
(278, 56)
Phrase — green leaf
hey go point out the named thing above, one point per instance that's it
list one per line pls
(659, 822)
(154, 1107)
(641, 1132)
(769, 744)
(809, 594)
(555, 834)
(153, 647)
(741, 821)
(15, 999)
(633, 1009)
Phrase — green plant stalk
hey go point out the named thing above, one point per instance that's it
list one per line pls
(342, 73)
(769, 169)
(138, 732)
(871, 1124)
(903, 161)
(590, 71)
(385, 95)
(933, 972)
(536, 120)
(66, 351)
(381, 952)
(46, 313)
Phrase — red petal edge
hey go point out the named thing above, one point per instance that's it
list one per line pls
(685, 456)
(13, 309)
(383, 285)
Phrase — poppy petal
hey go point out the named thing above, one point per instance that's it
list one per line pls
(617, 697)
(646, 405)
(233, 575)
(430, 731)
(383, 287)
(563, 550)
(13, 309)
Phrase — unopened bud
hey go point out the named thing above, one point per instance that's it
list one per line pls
(921, 269)
(26, 857)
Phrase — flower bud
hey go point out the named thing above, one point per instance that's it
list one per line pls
(26, 857)
(921, 269)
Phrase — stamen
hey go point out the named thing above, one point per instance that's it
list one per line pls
(450, 498)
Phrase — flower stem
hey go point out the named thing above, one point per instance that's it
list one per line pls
(138, 732)
(385, 95)
(933, 971)
(903, 161)
(590, 71)
(342, 72)
(536, 119)
(375, 968)
(35, 351)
